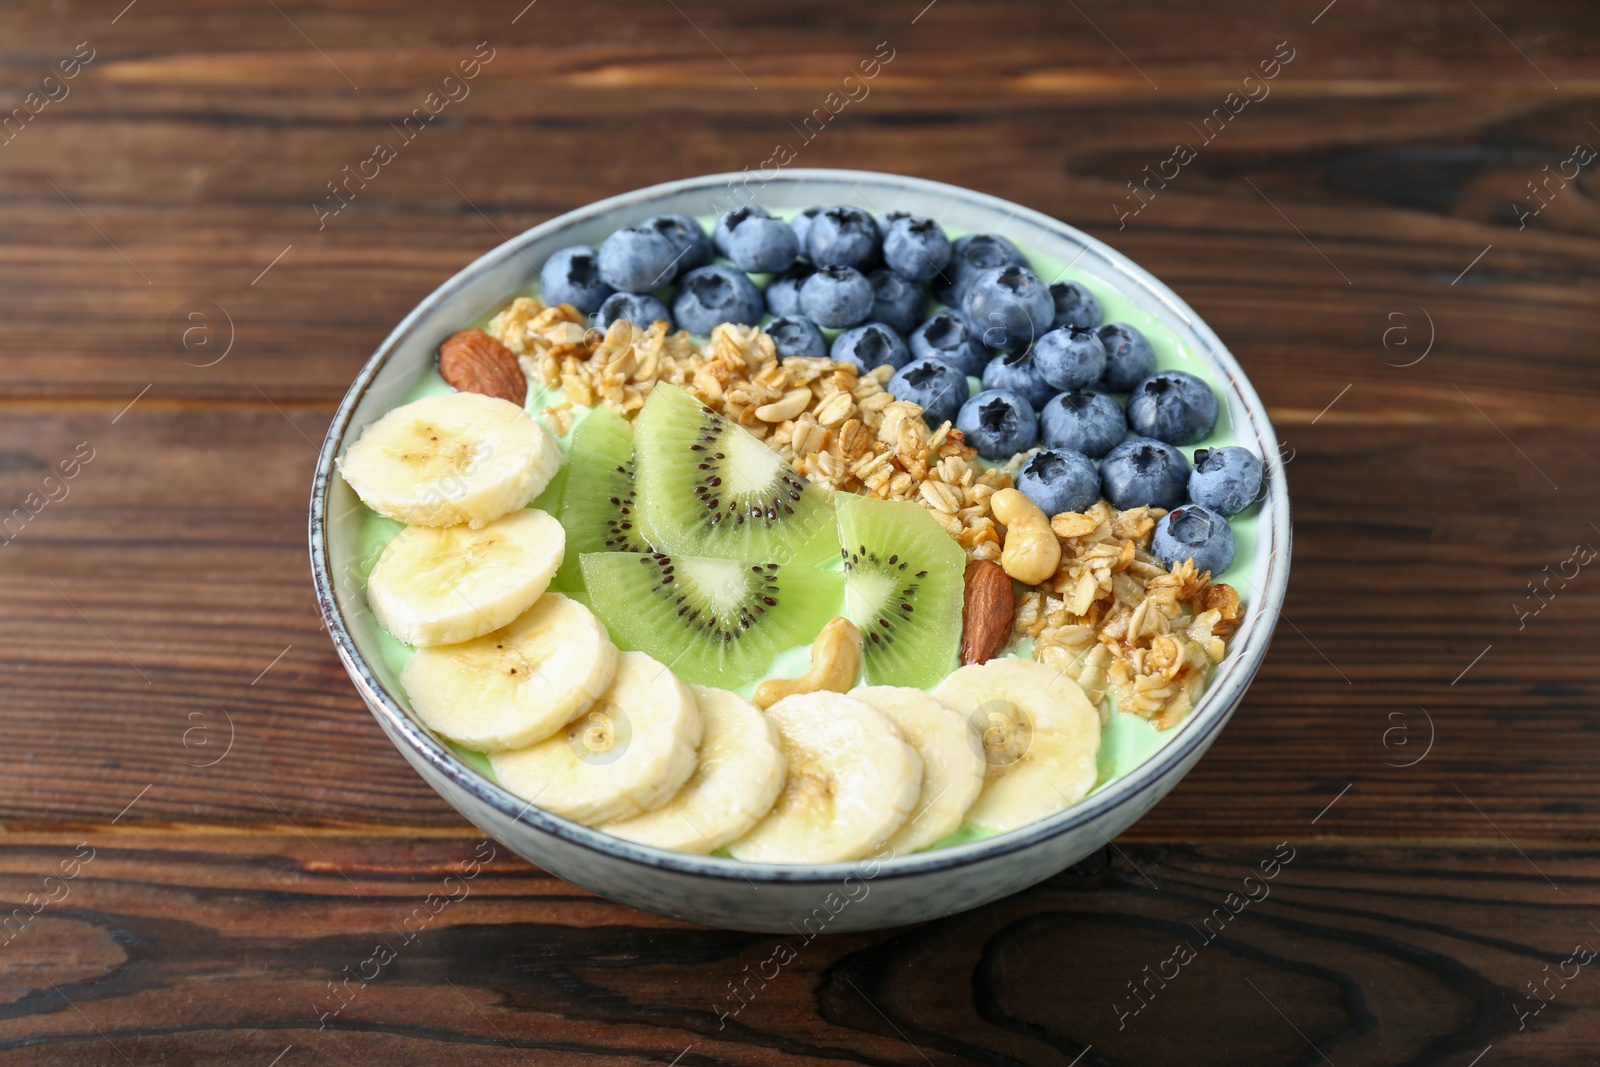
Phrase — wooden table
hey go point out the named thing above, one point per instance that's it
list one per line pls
(214, 833)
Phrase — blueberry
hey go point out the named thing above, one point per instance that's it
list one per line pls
(1144, 472)
(842, 237)
(1129, 357)
(1194, 532)
(1082, 421)
(1172, 406)
(730, 219)
(1017, 372)
(1070, 357)
(637, 260)
(716, 294)
(1075, 305)
(916, 248)
(1059, 481)
(783, 291)
(870, 345)
(947, 335)
(887, 220)
(762, 245)
(796, 335)
(801, 224)
(1225, 479)
(1010, 306)
(970, 256)
(572, 276)
(940, 388)
(641, 309)
(998, 423)
(694, 247)
(896, 300)
(835, 297)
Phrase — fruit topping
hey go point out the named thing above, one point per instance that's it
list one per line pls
(456, 458)
(1226, 480)
(707, 487)
(842, 236)
(713, 621)
(641, 309)
(1144, 472)
(795, 335)
(759, 243)
(572, 276)
(916, 248)
(870, 345)
(903, 588)
(836, 297)
(939, 388)
(1059, 480)
(948, 336)
(1070, 357)
(1075, 306)
(628, 754)
(952, 762)
(716, 294)
(436, 586)
(1010, 306)
(736, 781)
(1172, 406)
(1129, 357)
(998, 423)
(638, 259)
(1081, 421)
(897, 301)
(518, 684)
(1194, 532)
(1040, 735)
(1018, 372)
(853, 781)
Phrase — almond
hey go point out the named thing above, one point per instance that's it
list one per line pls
(986, 611)
(474, 362)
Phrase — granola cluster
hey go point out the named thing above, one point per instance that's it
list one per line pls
(1112, 617)
(840, 428)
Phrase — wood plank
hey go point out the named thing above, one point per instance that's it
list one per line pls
(148, 601)
(1400, 195)
(1035, 44)
(205, 948)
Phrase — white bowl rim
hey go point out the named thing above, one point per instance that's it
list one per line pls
(1228, 682)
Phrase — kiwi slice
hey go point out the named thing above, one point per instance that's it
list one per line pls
(706, 487)
(903, 587)
(598, 511)
(713, 621)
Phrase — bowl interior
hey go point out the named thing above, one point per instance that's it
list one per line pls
(487, 284)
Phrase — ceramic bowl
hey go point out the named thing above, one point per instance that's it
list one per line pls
(795, 899)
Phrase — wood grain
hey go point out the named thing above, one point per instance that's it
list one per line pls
(233, 947)
(167, 698)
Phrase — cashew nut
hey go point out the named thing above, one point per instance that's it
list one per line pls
(1031, 552)
(788, 406)
(835, 664)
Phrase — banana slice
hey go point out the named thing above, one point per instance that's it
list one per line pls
(517, 685)
(443, 586)
(952, 762)
(628, 754)
(738, 779)
(852, 782)
(451, 459)
(1040, 739)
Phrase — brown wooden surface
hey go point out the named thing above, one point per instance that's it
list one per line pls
(163, 606)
